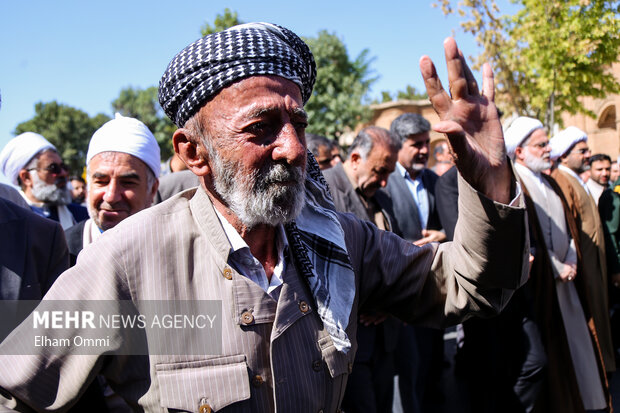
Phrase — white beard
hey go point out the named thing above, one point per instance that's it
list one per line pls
(536, 164)
(259, 197)
(49, 193)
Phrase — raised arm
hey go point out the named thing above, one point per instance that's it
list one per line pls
(470, 120)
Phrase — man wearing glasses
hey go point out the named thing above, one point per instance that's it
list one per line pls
(569, 149)
(33, 163)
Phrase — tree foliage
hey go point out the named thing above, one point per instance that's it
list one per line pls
(338, 99)
(143, 104)
(549, 54)
(222, 22)
(410, 93)
(67, 128)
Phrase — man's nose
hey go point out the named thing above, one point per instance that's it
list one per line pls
(289, 146)
(112, 193)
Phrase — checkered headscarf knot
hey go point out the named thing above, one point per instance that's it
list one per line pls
(208, 65)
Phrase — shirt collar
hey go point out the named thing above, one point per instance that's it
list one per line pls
(405, 174)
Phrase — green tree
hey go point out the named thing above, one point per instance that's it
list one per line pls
(338, 101)
(67, 128)
(143, 104)
(549, 54)
(410, 93)
(222, 22)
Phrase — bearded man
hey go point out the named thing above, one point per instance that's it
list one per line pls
(261, 236)
(33, 163)
(122, 167)
(570, 149)
(600, 172)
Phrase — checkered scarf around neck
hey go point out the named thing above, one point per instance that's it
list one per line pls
(211, 63)
(317, 241)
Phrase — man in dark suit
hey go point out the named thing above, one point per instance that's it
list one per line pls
(412, 189)
(412, 185)
(33, 253)
(353, 185)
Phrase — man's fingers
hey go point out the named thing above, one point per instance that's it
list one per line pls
(488, 82)
(472, 85)
(456, 74)
(449, 127)
(437, 95)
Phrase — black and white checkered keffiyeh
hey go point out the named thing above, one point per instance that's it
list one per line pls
(317, 241)
(208, 65)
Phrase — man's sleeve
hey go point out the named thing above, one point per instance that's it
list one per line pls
(438, 285)
(52, 377)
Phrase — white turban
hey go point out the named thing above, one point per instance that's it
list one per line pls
(565, 140)
(19, 151)
(127, 135)
(519, 130)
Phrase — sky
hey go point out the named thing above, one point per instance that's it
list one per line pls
(82, 53)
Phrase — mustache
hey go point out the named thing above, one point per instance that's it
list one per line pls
(279, 173)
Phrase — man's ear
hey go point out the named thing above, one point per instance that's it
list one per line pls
(355, 159)
(24, 177)
(519, 153)
(190, 152)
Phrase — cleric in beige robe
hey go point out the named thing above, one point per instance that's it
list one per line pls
(569, 149)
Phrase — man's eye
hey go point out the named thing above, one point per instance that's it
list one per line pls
(257, 127)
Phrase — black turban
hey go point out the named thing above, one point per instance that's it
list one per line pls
(208, 65)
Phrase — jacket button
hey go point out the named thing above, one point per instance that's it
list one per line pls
(204, 408)
(350, 367)
(257, 381)
(316, 365)
(247, 318)
(304, 307)
(227, 273)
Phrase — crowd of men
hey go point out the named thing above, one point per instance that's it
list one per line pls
(335, 272)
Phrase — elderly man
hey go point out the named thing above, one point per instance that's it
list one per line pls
(600, 171)
(570, 149)
(31, 162)
(558, 305)
(122, 168)
(353, 185)
(260, 237)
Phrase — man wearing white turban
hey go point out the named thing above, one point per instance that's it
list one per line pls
(575, 369)
(570, 149)
(122, 170)
(32, 162)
